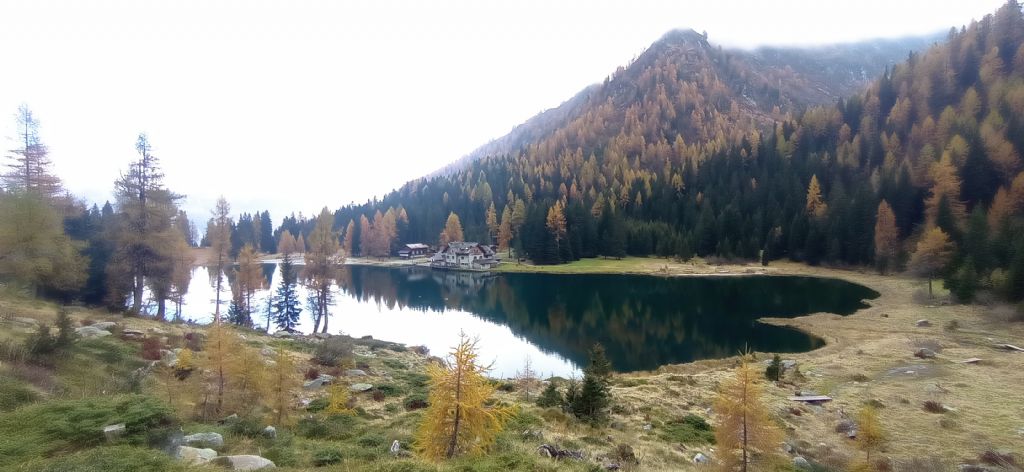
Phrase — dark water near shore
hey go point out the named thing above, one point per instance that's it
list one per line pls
(643, 321)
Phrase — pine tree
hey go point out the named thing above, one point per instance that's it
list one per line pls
(594, 397)
(550, 396)
(746, 437)
(30, 170)
(458, 422)
(286, 304)
(249, 277)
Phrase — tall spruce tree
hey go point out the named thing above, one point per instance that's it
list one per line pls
(286, 304)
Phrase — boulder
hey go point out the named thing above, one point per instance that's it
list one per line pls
(270, 432)
(214, 440)
(91, 332)
(194, 455)
(244, 462)
(113, 431)
(925, 353)
(923, 323)
(132, 334)
(318, 382)
(360, 387)
(355, 373)
(168, 357)
(700, 458)
(801, 464)
(396, 447)
(104, 325)
(268, 352)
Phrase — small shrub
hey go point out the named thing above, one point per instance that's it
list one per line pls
(378, 396)
(690, 429)
(332, 351)
(952, 325)
(317, 405)
(373, 440)
(107, 459)
(507, 387)
(550, 397)
(282, 455)
(932, 406)
(312, 427)
(247, 427)
(415, 401)
(41, 343)
(151, 349)
(194, 341)
(326, 457)
(14, 394)
(858, 377)
(390, 390)
(391, 408)
(1007, 461)
(311, 373)
(774, 370)
(393, 364)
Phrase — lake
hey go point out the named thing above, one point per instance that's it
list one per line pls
(642, 321)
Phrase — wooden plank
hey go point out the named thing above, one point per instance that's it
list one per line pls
(973, 360)
(1011, 347)
(811, 398)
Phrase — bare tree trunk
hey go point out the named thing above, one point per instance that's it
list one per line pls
(458, 414)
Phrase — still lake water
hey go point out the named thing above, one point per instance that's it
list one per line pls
(643, 321)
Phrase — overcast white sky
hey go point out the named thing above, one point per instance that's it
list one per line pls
(293, 105)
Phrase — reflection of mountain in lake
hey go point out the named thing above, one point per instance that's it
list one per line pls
(643, 321)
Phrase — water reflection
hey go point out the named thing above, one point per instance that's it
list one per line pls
(643, 321)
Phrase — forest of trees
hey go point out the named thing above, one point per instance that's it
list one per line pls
(681, 171)
(920, 172)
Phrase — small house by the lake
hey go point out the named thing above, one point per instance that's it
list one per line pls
(464, 255)
(409, 251)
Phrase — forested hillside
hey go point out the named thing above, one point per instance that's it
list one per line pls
(668, 159)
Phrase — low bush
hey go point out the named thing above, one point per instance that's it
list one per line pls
(324, 457)
(246, 426)
(932, 406)
(311, 373)
(415, 401)
(690, 429)
(317, 405)
(332, 351)
(151, 349)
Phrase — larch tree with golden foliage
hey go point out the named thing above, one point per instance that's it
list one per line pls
(887, 237)
(492, 224)
(555, 221)
(870, 436)
(945, 183)
(746, 437)
(220, 244)
(452, 230)
(321, 269)
(815, 205)
(458, 422)
(505, 231)
(220, 349)
(933, 252)
(282, 380)
(350, 233)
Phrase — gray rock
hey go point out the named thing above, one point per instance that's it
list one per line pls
(925, 353)
(648, 427)
(25, 321)
(801, 463)
(923, 323)
(788, 364)
(113, 431)
(169, 358)
(244, 462)
(788, 448)
(194, 455)
(360, 387)
(355, 373)
(104, 325)
(396, 447)
(91, 332)
(318, 382)
(700, 458)
(268, 352)
(270, 432)
(132, 334)
(214, 440)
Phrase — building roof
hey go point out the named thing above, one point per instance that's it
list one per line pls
(417, 246)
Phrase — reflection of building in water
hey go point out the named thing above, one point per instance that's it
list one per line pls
(463, 255)
(464, 283)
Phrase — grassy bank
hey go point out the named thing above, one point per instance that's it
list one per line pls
(869, 359)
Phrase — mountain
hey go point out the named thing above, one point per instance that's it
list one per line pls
(792, 78)
(694, 150)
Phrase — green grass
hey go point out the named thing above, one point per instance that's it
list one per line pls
(14, 393)
(690, 429)
(47, 428)
(591, 266)
(106, 459)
